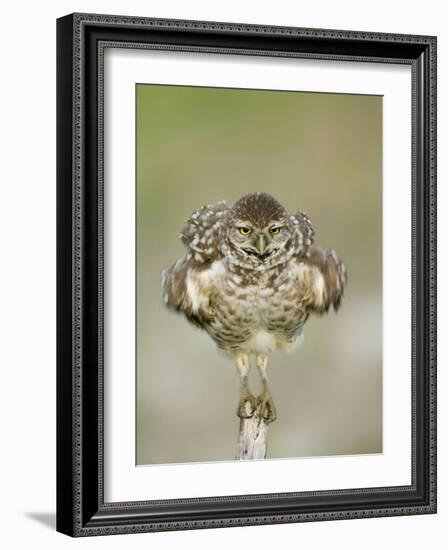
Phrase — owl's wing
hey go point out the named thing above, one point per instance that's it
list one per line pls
(304, 232)
(175, 287)
(187, 284)
(201, 233)
(322, 277)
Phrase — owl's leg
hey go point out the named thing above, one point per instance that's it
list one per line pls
(265, 402)
(248, 402)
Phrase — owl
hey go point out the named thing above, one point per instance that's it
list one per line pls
(251, 276)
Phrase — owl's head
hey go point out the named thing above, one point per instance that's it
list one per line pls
(259, 232)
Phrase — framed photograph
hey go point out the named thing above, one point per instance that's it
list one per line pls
(246, 274)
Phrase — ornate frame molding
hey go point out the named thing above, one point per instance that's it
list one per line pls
(81, 42)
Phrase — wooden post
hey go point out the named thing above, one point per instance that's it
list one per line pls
(252, 437)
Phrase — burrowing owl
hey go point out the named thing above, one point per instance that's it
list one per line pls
(250, 278)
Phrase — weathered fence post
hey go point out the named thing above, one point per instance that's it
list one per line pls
(252, 437)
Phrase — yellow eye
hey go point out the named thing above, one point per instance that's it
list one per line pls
(245, 230)
(275, 230)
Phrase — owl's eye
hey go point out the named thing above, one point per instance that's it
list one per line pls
(275, 230)
(245, 230)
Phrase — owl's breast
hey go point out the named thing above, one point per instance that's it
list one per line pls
(258, 317)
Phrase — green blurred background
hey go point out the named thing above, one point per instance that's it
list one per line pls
(320, 152)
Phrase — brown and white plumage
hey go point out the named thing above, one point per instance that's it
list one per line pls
(251, 276)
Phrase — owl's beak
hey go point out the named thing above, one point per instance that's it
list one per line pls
(261, 245)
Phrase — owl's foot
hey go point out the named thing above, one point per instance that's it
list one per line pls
(265, 406)
(246, 405)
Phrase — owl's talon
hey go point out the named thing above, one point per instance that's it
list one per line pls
(266, 407)
(247, 406)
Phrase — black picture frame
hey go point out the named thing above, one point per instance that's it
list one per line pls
(81, 510)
